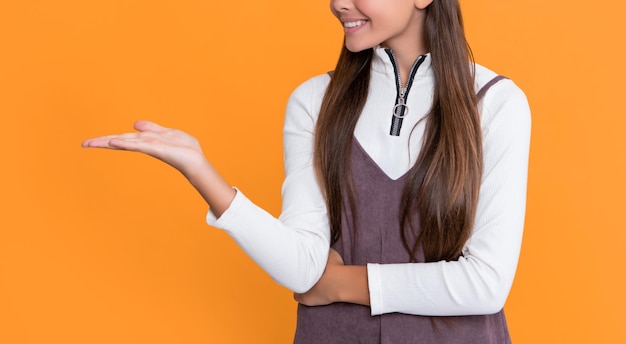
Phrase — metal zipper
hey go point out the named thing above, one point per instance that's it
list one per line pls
(400, 109)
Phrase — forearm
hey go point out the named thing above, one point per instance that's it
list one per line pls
(339, 283)
(212, 187)
(464, 287)
(479, 282)
(291, 250)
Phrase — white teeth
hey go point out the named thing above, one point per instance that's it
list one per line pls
(354, 23)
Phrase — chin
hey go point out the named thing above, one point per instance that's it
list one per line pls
(356, 48)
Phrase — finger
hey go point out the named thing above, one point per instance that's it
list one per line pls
(98, 142)
(136, 144)
(149, 126)
(104, 141)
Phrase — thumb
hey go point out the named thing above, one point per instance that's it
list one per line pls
(144, 125)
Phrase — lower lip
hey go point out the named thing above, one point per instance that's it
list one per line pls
(349, 30)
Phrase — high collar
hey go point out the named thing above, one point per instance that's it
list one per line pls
(382, 63)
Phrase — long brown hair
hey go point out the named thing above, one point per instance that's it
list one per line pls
(443, 185)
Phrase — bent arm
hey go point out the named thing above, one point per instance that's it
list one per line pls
(292, 249)
(479, 282)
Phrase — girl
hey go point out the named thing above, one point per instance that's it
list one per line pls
(404, 197)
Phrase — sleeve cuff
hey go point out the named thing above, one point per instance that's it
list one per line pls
(373, 280)
(223, 220)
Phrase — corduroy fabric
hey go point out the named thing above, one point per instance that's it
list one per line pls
(378, 240)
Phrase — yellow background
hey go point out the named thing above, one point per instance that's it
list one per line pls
(111, 247)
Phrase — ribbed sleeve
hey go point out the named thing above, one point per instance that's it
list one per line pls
(479, 282)
(292, 249)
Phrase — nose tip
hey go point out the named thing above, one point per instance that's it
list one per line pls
(337, 6)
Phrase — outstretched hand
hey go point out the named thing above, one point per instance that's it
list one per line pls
(172, 146)
(178, 149)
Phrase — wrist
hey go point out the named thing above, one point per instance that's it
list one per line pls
(212, 187)
(197, 169)
(351, 285)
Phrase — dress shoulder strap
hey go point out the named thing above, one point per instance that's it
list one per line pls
(484, 89)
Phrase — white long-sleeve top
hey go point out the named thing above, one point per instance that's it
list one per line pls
(293, 248)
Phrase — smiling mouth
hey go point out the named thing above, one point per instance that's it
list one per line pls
(353, 24)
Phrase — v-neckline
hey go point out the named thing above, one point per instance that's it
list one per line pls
(371, 160)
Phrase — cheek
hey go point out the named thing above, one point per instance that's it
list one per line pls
(373, 8)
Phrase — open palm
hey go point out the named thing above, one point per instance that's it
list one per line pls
(174, 147)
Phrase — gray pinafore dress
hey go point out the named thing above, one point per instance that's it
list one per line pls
(378, 241)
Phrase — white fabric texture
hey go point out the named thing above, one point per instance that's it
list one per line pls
(293, 248)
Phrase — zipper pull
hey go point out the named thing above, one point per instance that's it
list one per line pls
(400, 110)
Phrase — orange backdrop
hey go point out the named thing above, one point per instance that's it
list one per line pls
(104, 247)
